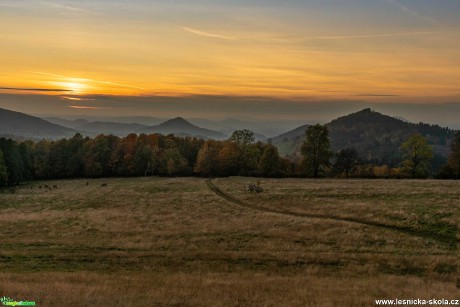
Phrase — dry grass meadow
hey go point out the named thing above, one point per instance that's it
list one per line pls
(198, 242)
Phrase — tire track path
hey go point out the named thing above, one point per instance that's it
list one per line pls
(440, 237)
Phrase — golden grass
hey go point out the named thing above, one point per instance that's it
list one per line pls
(152, 241)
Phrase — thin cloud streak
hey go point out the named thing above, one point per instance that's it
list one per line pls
(34, 89)
(339, 37)
(378, 95)
(206, 34)
(75, 98)
(12, 5)
(90, 108)
(67, 8)
(415, 13)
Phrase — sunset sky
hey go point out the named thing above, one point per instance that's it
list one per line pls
(292, 51)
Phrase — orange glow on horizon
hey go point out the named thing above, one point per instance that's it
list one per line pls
(300, 57)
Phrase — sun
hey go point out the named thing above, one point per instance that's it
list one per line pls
(75, 86)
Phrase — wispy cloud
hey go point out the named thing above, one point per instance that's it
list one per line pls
(378, 95)
(332, 37)
(67, 7)
(415, 13)
(207, 34)
(90, 108)
(33, 89)
(12, 5)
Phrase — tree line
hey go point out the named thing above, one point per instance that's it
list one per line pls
(160, 155)
(138, 155)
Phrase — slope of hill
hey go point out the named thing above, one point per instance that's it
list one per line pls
(26, 126)
(288, 141)
(375, 136)
(180, 127)
(73, 124)
(290, 135)
(93, 128)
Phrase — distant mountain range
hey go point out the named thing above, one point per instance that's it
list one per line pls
(375, 136)
(261, 128)
(77, 121)
(97, 127)
(21, 126)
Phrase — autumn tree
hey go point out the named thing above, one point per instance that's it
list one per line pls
(315, 149)
(207, 163)
(346, 161)
(228, 159)
(122, 157)
(417, 154)
(97, 154)
(172, 161)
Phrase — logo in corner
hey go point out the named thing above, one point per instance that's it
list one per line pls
(7, 301)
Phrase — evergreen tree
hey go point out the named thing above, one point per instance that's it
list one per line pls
(74, 166)
(26, 150)
(243, 137)
(270, 162)
(41, 161)
(454, 158)
(3, 171)
(12, 160)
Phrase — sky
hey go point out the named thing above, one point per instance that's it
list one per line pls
(221, 58)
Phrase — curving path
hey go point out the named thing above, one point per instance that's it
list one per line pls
(444, 238)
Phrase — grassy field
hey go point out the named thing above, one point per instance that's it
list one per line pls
(190, 241)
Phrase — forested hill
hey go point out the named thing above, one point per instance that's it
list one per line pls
(25, 126)
(376, 137)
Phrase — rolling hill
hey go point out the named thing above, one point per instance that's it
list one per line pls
(23, 126)
(180, 127)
